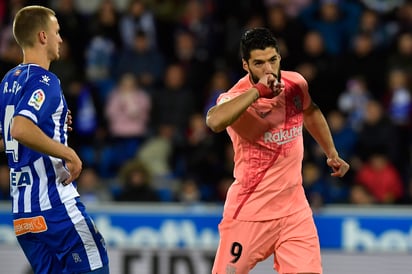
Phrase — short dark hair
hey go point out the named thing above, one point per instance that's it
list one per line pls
(257, 38)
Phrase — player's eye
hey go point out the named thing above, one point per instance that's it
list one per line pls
(259, 64)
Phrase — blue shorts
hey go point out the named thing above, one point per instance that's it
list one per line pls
(62, 240)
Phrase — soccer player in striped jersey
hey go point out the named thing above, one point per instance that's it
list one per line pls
(266, 211)
(51, 224)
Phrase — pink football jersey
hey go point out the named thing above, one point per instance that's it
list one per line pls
(268, 145)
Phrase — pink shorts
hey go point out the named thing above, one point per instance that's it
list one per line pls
(293, 240)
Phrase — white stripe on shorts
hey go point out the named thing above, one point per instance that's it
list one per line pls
(81, 227)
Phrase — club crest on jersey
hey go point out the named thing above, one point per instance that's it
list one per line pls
(37, 99)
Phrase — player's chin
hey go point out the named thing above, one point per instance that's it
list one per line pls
(56, 55)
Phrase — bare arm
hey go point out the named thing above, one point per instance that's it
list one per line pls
(221, 116)
(317, 126)
(30, 135)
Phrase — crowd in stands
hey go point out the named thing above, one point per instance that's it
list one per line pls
(140, 75)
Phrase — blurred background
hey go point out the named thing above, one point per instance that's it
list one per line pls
(139, 77)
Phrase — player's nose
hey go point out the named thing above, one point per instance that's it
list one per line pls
(268, 68)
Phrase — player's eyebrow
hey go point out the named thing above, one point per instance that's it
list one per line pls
(273, 58)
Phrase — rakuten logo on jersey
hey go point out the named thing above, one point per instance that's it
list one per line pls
(283, 136)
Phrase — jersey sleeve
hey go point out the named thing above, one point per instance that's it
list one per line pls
(303, 85)
(226, 96)
(41, 97)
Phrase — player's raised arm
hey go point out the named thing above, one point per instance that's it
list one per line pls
(227, 112)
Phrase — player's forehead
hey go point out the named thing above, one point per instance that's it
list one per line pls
(53, 23)
(263, 54)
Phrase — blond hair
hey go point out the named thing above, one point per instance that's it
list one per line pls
(28, 22)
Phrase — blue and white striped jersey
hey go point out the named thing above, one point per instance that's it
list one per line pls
(35, 179)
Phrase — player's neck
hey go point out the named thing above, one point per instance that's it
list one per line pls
(34, 57)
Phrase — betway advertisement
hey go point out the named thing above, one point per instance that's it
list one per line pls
(195, 227)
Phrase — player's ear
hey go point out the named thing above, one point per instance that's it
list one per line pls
(42, 37)
(245, 65)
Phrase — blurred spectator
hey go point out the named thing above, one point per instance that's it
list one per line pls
(222, 188)
(136, 183)
(88, 125)
(398, 99)
(142, 60)
(398, 104)
(202, 157)
(99, 61)
(343, 135)
(285, 28)
(158, 154)
(10, 56)
(314, 184)
(104, 42)
(91, 187)
(381, 179)
(352, 101)
(72, 30)
(3, 7)
(188, 192)
(167, 11)
(408, 192)
(232, 29)
(359, 195)
(105, 22)
(196, 19)
(319, 68)
(381, 32)
(401, 56)
(137, 18)
(363, 59)
(196, 68)
(65, 67)
(127, 112)
(335, 20)
(4, 183)
(377, 131)
(292, 8)
(174, 102)
(167, 15)
(403, 15)
(128, 108)
(8, 10)
(219, 82)
(383, 7)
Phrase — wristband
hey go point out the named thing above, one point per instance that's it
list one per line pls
(264, 91)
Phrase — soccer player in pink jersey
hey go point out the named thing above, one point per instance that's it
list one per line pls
(266, 211)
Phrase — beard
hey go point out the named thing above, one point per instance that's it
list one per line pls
(255, 79)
